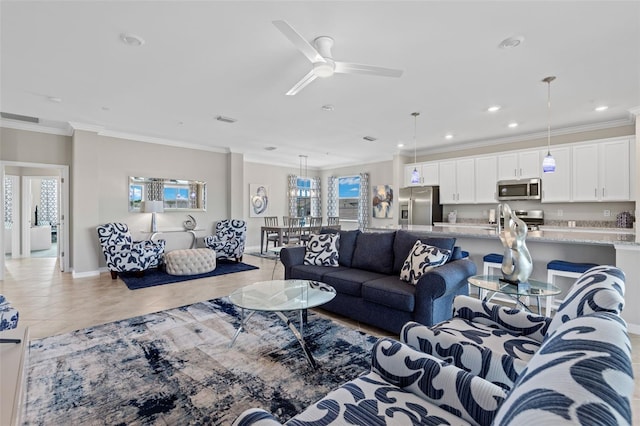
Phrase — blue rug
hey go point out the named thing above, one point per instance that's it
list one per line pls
(175, 368)
(153, 277)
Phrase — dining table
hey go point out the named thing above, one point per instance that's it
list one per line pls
(281, 231)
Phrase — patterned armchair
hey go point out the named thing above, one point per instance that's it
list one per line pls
(497, 342)
(228, 242)
(582, 374)
(125, 255)
(8, 315)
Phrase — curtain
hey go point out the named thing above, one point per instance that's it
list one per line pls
(332, 196)
(292, 189)
(48, 213)
(8, 202)
(316, 201)
(363, 202)
(155, 190)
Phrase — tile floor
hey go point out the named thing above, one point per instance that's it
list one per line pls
(51, 302)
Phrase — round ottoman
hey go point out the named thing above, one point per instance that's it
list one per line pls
(190, 261)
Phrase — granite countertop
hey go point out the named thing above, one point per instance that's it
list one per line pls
(601, 236)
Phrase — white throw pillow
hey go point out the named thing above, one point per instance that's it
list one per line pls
(322, 249)
(422, 258)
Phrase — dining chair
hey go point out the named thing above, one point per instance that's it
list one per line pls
(272, 236)
(315, 224)
(293, 233)
(333, 220)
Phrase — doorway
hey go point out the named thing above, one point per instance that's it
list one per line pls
(27, 188)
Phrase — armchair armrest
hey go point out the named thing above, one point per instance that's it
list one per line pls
(445, 385)
(256, 416)
(455, 342)
(509, 319)
(291, 256)
(446, 281)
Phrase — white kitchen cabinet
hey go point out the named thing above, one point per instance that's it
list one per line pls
(601, 171)
(486, 176)
(519, 165)
(556, 186)
(456, 179)
(428, 173)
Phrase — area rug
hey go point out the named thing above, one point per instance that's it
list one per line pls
(175, 368)
(154, 277)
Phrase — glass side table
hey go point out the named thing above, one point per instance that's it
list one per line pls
(531, 288)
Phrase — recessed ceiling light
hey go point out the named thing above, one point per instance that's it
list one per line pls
(54, 99)
(494, 108)
(106, 108)
(270, 148)
(369, 138)
(448, 136)
(180, 123)
(602, 108)
(511, 42)
(400, 145)
(132, 40)
(512, 125)
(328, 107)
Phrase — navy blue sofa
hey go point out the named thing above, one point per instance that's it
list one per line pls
(367, 280)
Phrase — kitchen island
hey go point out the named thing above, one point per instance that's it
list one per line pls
(609, 246)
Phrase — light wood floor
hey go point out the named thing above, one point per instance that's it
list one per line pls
(51, 302)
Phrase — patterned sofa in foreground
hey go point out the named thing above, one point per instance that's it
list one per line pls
(582, 374)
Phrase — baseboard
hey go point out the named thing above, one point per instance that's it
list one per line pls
(633, 328)
(87, 274)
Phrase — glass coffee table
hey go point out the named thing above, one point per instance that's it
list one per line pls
(279, 296)
(532, 288)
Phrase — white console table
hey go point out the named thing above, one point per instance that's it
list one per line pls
(176, 230)
(13, 362)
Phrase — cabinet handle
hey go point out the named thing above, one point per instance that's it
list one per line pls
(515, 172)
(603, 192)
(520, 172)
(595, 192)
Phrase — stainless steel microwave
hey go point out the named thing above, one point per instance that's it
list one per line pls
(522, 189)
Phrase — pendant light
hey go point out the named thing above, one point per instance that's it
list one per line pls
(415, 175)
(549, 163)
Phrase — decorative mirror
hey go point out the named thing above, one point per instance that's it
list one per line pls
(176, 194)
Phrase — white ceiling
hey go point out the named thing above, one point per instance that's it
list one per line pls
(207, 58)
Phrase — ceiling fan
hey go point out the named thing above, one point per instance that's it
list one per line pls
(323, 64)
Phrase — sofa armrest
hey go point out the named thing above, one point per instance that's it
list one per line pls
(291, 256)
(446, 344)
(256, 416)
(445, 282)
(445, 385)
(509, 319)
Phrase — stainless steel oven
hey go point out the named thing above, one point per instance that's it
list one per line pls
(522, 189)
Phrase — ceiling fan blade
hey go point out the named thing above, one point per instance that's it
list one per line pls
(350, 68)
(299, 42)
(302, 83)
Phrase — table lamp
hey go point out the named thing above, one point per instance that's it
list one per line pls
(153, 207)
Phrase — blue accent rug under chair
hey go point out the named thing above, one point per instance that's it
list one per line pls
(175, 367)
(155, 276)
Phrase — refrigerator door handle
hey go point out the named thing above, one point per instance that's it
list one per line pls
(410, 211)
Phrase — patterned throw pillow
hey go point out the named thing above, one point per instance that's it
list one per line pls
(422, 258)
(322, 249)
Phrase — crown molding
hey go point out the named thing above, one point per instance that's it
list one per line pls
(35, 127)
(482, 143)
(635, 111)
(101, 131)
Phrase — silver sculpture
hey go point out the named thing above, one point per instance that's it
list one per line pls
(190, 224)
(517, 264)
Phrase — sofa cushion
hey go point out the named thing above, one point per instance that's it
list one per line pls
(404, 241)
(421, 259)
(312, 272)
(347, 246)
(349, 280)
(322, 249)
(374, 252)
(390, 291)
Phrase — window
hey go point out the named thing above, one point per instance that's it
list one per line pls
(348, 197)
(303, 194)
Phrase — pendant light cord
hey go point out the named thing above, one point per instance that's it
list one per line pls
(415, 131)
(548, 80)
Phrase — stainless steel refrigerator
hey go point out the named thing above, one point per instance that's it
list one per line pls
(420, 205)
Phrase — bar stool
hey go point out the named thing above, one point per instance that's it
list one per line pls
(492, 261)
(562, 268)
